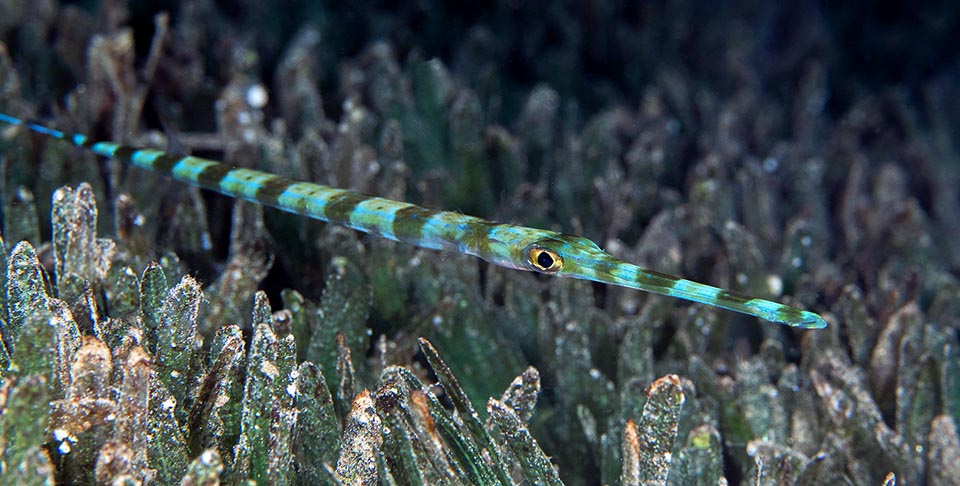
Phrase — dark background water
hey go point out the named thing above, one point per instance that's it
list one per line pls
(798, 151)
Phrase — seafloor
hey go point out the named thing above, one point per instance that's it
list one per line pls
(804, 152)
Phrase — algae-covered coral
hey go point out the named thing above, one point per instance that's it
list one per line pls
(153, 333)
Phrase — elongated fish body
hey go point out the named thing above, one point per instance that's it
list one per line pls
(505, 245)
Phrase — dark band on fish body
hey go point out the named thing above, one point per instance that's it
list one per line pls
(164, 163)
(408, 224)
(271, 189)
(657, 279)
(725, 297)
(339, 208)
(211, 176)
(477, 236)
(790, 314)
(124, 153)
(603, 267)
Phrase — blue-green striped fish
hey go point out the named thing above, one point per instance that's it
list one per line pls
(506, 245)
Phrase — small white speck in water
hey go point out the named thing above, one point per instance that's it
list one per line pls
(356, 116)
(796, 262)
(806, 241)
(775, 284)
(770, 164)
(205, 242)
(257, 96)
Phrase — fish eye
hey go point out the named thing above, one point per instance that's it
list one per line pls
(544, 260)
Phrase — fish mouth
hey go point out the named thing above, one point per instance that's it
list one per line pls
(612, 271)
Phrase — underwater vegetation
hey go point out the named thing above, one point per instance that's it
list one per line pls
(155, 333)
